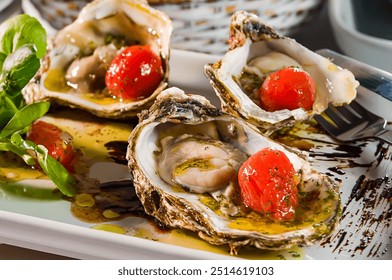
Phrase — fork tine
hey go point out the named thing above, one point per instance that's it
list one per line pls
(348, 113)
(335, 117)
(359, 109)
(331, 128)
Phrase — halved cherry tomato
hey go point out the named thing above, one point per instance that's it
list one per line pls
(135, 73)
(269, 184)
(55, 140)
(288, 88)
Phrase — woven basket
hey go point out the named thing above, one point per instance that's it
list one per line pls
(199, 25)
(203, 25)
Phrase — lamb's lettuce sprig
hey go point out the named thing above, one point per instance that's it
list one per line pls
(22, 44)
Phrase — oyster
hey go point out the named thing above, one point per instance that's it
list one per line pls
(184, 156)
(256, 50)
(74, 69)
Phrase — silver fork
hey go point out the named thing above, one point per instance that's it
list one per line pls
(353, 122)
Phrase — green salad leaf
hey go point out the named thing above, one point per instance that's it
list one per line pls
(19, 31)
(25, 117)
(20, 51)
(22, 44)
(19, 68)
(56, 172)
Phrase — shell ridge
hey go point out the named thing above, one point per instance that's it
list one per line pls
(237, 84)
(197, 212)
(90, 44)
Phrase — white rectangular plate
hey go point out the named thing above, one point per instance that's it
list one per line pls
(363, 168)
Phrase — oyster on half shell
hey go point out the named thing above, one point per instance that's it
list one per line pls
(256, 50)
(73, 72)
(184, 157)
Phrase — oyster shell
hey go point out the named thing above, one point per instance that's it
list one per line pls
(256, 49)
(216, 213)
(74, 68)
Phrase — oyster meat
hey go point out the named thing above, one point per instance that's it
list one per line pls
(73, 72)
(184, 156)
(255, 51)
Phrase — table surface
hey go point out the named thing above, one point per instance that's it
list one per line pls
(315, 35)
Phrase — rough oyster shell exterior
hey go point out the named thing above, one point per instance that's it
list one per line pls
(186, 210)
(251, 38)
(96, 21)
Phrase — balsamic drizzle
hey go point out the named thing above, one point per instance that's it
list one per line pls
(371, 196)
(367, 209)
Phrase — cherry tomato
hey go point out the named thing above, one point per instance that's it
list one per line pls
(288, 88)
(269, 185)
(135, 73)
(53, 138)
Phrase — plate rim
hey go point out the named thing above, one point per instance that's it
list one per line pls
(40, 230)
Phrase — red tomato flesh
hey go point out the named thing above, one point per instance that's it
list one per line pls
(135, 73)
(289, 88)
(50, 136)
(269, 184)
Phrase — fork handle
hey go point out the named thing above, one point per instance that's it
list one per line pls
(386, 136)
